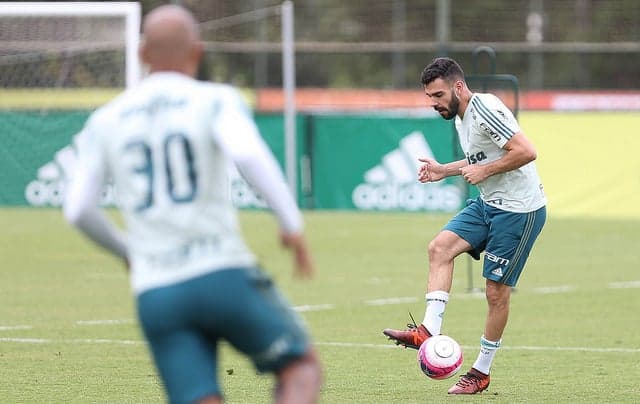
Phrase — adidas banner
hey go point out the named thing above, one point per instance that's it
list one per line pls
(35, 155)
(371, 163)
(38, 155)
(351, 162)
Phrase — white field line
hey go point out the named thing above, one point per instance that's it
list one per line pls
(624, 285)
(104, 322)
(72, 341)
(27, 340)
(469, 295)
(564, 348)
(391, 300)
(553, 289)
(511, 348)
(317, 307)
(332, 344)
(15, 327)
(320, 307)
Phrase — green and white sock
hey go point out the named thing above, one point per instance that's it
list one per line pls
(487, 352)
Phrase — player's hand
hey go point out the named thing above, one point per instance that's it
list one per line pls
(474, 173)
(302, 260)
(430, 171)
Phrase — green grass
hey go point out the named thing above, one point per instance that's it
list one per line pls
(572, 337)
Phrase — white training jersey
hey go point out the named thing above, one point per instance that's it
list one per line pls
(167, 146)
(487, 125)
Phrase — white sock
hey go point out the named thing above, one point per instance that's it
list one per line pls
(434, 312)
(485, 357)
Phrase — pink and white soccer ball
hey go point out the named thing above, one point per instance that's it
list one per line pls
(440, 357)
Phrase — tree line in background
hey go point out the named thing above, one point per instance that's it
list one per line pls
(357, 43)
(524, 22)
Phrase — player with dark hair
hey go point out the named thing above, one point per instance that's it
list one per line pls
(504, 221)
(167, 144)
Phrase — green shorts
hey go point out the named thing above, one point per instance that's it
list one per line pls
(506, 237)
(184, 322)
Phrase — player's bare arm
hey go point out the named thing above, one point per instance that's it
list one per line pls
(519, 151)
(432, 171)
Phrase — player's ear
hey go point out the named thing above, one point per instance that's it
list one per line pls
(458, 86)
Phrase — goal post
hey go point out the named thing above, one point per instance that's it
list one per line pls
(61, 60)
(287, 47)
(58, 61)
(16, 43)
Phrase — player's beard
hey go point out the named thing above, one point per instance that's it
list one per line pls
(452, 109)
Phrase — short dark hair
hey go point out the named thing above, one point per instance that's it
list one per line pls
(443, 68)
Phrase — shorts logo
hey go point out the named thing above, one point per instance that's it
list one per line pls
(496, 259)
(497, 271)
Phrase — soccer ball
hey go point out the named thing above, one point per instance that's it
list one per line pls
(440, 357)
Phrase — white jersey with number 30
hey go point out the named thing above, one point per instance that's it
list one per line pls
(167, 146)
(486, 127)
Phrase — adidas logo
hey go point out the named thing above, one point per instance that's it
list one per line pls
(390, 185)
(497, 271)
(48, 188)
(393, 184)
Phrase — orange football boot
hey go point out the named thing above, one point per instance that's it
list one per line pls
(471, 383)
(412, 337)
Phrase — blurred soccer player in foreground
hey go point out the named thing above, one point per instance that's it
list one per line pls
(503, 221)
(167, 145)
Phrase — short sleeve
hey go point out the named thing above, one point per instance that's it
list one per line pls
(495, 120)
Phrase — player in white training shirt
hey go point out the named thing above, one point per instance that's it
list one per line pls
(167, 145)
(504, 221)
(484, 130)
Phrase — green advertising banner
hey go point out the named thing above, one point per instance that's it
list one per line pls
(371, 163)
(35, 155)
(365, 162)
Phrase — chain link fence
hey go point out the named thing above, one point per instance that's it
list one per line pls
(560, 44)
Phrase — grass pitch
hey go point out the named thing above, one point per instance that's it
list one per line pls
(68, 331)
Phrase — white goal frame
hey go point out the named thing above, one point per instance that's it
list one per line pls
(286, 12)
(129, 10)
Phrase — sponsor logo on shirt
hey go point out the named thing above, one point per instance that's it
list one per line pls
(476, 158)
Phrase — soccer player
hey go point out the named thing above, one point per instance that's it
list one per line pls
(167, 145)
(504, 221)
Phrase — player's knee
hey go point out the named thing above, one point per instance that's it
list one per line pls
(437, 250)
(498, 295)
(309, 359)
(210, 400)
(305, 373)
(497, 302)
(313, 369)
